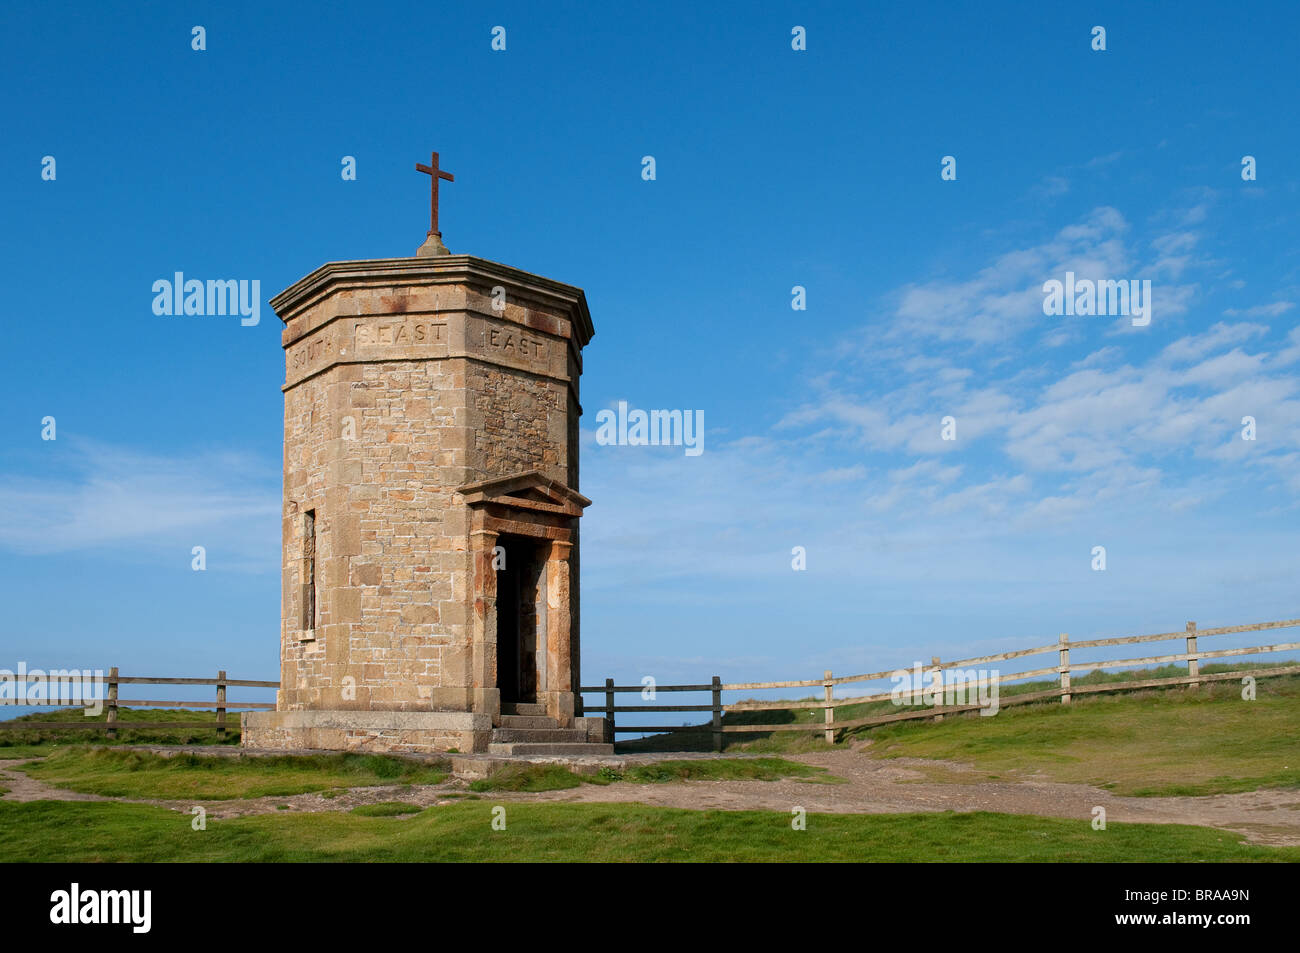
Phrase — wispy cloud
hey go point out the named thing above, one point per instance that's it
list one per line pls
(1272, 310)
(107, 497)
(1005, 299)
(1130, 431)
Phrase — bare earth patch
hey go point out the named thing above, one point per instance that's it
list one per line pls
(900, 785)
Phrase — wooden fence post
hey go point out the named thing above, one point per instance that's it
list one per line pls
(609, 708)
(221, 705)
(934, 660)
(112, 702)
(717, 713)
(1194, 663)
(1064, 670)
(830, 711)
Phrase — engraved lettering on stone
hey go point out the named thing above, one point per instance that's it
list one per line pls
(401, 333)
(514, 342)
(311, 352)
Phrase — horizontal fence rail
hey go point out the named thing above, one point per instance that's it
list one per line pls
(112, 703)
(1061, 671)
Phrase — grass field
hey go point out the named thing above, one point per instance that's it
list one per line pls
(134, 728)
(1159, 743)
(1173, 741)
(798, 741)
(553, 777)
(93, 831)
(1150, 742)
(141, 774)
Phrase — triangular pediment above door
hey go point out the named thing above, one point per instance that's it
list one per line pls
(529, 490)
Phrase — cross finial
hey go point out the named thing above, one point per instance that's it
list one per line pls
(434, 240)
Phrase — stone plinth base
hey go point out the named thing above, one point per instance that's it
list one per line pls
(395, 731)
(597, 730)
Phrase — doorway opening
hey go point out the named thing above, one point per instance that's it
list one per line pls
(521, 620)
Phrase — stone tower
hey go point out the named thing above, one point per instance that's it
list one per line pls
(430, 522)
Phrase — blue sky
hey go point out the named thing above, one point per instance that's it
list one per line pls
(775, 168)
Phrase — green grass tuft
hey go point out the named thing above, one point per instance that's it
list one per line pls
(387, 809)
(722, 769)
(554, 777)
(528, 777)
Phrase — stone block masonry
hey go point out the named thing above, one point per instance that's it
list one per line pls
(430, 521)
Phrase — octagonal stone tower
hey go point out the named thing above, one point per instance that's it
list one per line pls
(430, 521)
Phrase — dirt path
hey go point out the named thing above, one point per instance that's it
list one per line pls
(23, 787)
(902, 785)
(871, 787)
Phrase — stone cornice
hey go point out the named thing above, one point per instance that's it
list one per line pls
(444, 269)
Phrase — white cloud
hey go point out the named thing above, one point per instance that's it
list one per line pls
(1262, 310)
(116, 498)
(1005, 299)
(1221, 335)
(1107, 159)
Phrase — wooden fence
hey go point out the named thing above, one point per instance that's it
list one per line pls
(112, 703)
(828, 703)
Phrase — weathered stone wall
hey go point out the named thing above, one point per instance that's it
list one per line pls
(366, 731)
(518, 417)
(392, 561)
(405, 382)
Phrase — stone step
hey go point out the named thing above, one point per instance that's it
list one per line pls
(524, 749)
(523, 708)
(540, 735)
(528, 721)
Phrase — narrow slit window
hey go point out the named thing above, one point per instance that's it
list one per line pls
(309, 570)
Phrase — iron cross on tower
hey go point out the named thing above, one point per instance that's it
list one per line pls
(435, 174)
